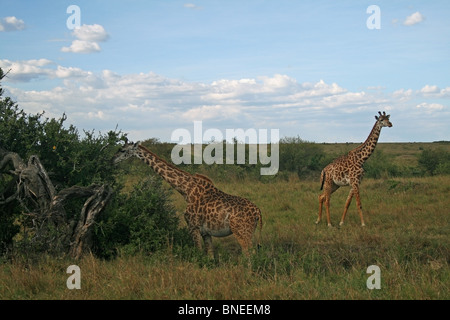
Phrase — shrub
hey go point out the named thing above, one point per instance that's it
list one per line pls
(379, 165)
(141, 221)
(435, 161)
(301, 157)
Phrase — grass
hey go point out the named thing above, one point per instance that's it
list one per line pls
(407, 236)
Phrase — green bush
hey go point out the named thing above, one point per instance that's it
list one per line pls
(435, 161)
(141, 221)
(379, 165)
(301, 157)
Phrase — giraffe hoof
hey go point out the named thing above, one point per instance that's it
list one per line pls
(330, 226)
(363, 224)
(341, 223)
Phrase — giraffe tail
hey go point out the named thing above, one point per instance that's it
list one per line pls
(322, 179)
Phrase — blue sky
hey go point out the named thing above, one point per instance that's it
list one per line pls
(308, 68)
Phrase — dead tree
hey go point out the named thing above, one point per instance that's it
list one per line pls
(51, 229)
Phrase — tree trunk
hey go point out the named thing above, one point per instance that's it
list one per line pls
(52, 229)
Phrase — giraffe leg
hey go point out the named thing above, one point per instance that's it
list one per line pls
(347, 204)
(359, 207)
(207, 240)
(321, 199)
(329, 189)
(196, 237)
(245, 241)
(243, 233)
(327, 207)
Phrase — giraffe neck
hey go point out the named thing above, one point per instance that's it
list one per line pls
(180, 180)
(364, 151)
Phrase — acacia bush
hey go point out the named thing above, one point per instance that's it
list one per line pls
(304, 158)
(435, 161)
(144, 220)
(379, 165)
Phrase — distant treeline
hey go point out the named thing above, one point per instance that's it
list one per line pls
(307, 159)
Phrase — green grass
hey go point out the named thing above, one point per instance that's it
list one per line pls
(407, 236)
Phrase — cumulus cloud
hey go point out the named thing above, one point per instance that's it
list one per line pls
(430, 106)
(413, 19)
(80, 46)
(93, 32)
(151, 105)
(88, 37)
(8, 24)
(27, 70)
(429, 89)
(211, 112)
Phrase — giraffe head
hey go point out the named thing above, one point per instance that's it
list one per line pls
(128, 150)
(383, 119)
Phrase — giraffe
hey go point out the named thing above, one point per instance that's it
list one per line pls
(347, 170)
(210, 211)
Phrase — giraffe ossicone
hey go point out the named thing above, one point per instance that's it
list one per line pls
(347, 170)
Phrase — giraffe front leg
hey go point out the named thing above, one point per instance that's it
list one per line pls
(196, 237)
(207, 240)
(194, 228)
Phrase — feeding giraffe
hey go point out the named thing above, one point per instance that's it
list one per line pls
(210, 211)
(347, 170)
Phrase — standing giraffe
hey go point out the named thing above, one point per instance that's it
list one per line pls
(209, 211)
(347, 170)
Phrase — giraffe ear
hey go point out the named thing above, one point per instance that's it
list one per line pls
(376, 118)
(137, 143)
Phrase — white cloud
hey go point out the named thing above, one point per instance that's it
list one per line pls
(191, 6)
(430, 106)
(27, 70)
(87, 40)
(151, 105)
(11, 24)
(429, 89)
(95, 33)
(413, 19)
(211, 112)
(97, 115)
(81, 46)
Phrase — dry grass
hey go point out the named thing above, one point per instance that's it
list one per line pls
(407, 236)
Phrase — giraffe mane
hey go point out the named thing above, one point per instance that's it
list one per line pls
(165, 162)
(201, 176)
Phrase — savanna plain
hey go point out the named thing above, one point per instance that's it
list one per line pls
(406, 236)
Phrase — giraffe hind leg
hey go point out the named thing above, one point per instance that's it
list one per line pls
(329, 188)
(321, 199)
(347, 204)
(359, 207)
